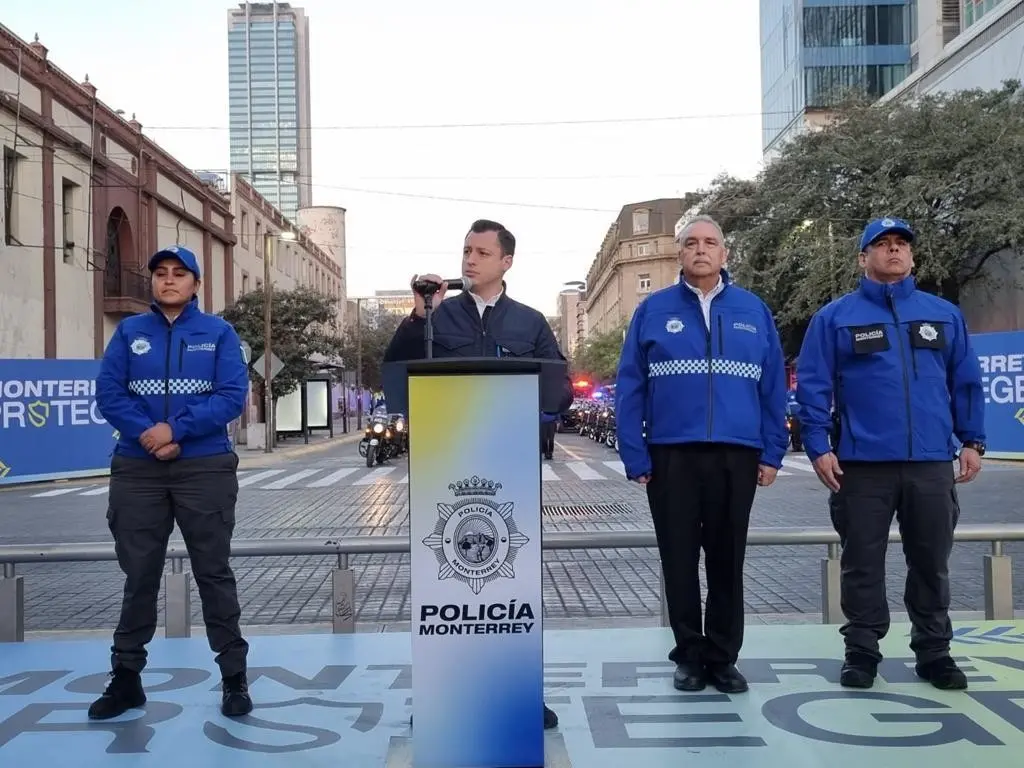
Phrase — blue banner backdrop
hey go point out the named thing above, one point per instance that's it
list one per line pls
(50, 427)
(1002, 368)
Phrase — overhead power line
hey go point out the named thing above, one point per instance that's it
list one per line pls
(502, 124)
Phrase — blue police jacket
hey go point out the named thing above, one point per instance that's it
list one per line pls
(688, 384)
(899, 366)
(189, 374)
(508, 329)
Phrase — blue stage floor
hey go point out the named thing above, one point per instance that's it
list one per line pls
(336, 700)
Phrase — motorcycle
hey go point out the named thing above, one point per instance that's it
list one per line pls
(400, 430)
(600, 433)
(384, 438)
(611, 438)
(586, 420)
(793, 428)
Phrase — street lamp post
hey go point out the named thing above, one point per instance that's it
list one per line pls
(269, 249)
(359, 362)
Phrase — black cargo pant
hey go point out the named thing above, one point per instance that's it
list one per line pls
(923, 497)
(146, 498)
(700, 497)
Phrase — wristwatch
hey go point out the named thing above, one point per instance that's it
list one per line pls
(974, 445)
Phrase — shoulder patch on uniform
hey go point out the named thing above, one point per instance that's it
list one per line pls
(675, 325)
(140, 346)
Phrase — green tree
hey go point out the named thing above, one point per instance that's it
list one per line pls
(951, 164)
(373, 338)
(598, 355)
(304, 333)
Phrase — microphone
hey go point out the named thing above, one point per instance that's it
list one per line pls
(429, 288)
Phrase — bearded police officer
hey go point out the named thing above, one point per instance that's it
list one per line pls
(897, 364)
(171, 381)
(700, 416)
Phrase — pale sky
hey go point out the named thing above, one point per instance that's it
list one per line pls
(410, 192)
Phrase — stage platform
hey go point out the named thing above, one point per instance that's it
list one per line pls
(341, 700)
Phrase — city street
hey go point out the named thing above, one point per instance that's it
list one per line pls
(331, 493)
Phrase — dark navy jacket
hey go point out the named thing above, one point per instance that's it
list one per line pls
(899, 365)
(190, 375)
(685, 384)
(508, 329)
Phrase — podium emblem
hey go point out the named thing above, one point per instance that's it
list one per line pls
(475, 538)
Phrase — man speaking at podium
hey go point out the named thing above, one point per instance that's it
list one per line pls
(482, 321)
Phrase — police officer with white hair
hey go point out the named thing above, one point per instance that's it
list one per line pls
(700, 415)
(897, 364)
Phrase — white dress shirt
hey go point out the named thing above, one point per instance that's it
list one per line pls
(482, 304)
(705, 299)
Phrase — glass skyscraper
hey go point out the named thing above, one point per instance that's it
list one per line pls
(813, 51)
(268, 80)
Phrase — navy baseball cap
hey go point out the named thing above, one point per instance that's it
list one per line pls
(179, 252)
(880, 227)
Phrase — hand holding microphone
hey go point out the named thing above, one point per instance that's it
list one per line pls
(434, 286)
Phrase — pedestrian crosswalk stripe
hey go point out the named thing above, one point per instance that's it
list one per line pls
(616, 466)
(798, 462)
(294, 478)
(250, 479)
(55, 492)
(374, 476)
(287, 480)
(332, 478)
(583, 471)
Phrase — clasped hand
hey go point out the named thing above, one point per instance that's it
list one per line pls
(157, 440)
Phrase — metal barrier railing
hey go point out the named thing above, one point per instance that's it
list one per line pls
(997, 566)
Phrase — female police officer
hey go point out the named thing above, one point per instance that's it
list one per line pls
(171, 381)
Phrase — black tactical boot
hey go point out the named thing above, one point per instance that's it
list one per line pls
(859, 671)
(943, 673)
(124, 692)
(235, 700)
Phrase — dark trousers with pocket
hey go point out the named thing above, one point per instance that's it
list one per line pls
(147, 498)
(700, 496)
(923, 497)
(547, 437)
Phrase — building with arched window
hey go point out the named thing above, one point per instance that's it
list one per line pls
(87, 198)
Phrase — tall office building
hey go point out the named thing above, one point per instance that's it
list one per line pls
(268, 77)
(812, 51)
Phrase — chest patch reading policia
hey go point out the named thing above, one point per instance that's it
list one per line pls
(869, 339)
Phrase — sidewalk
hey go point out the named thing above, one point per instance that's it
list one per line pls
(292, 447)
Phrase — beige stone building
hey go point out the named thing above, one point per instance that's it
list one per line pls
(639, 255)
(566, 323)
(87, 198)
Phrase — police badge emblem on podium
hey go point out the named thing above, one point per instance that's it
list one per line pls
(475, 540)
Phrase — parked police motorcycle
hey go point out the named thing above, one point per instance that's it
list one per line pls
(600, 432)
(611, 434)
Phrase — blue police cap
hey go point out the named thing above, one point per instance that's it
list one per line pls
(880, 227)
(179, 252)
